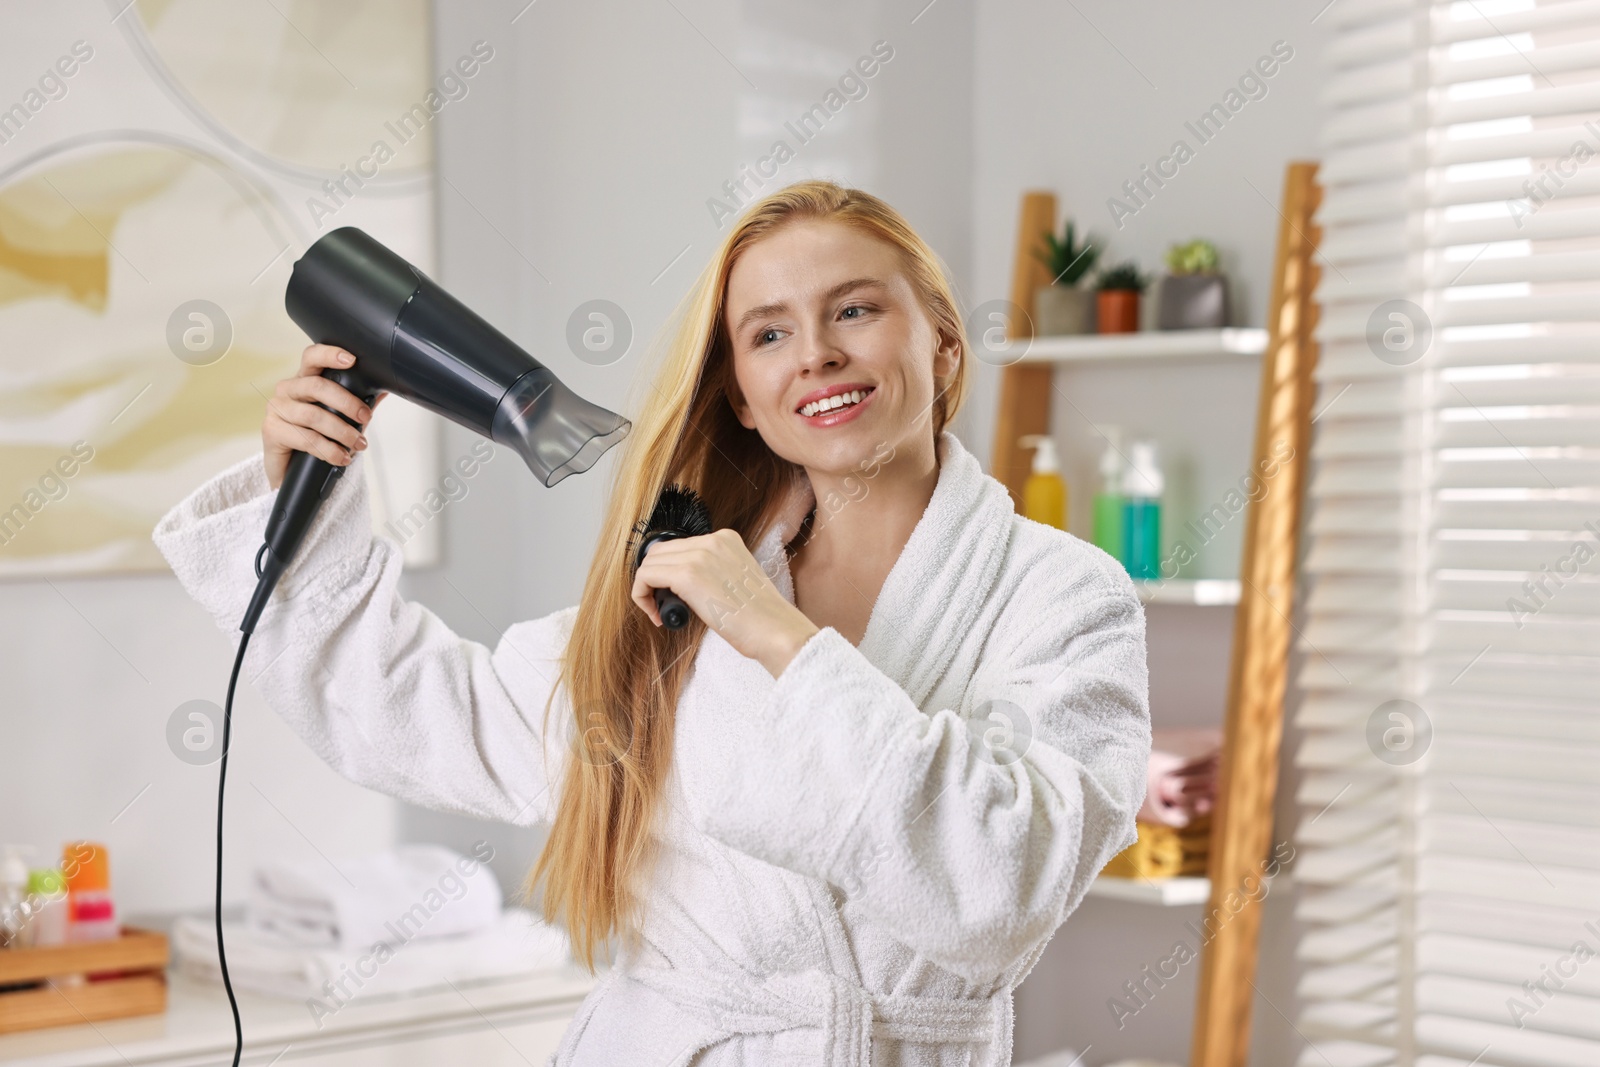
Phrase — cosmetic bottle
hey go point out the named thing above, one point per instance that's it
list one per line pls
(1044, 495)
(47, 890)
(14, 910)
(1141, 513)
(90, 913)
(1107, 534)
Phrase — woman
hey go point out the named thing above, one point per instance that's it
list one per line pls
(833, 820)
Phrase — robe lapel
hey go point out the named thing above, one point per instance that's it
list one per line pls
(947, 570)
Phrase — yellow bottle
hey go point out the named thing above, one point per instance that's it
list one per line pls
(1044, 495)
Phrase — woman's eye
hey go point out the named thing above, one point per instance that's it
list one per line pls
(855, 307)
(761, 338)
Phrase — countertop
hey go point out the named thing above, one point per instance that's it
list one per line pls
(197, 1027)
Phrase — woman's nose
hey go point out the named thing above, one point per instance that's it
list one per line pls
(817, 350)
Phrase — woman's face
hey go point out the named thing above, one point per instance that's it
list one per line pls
(817, 307)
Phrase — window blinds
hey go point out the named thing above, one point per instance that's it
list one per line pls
(1448, 835)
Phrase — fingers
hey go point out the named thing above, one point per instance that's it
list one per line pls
(317, 358)
(314, 387)
(310, 416)
(293, 436)
(643, 594)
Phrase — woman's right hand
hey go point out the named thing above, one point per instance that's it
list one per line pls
(295, 423)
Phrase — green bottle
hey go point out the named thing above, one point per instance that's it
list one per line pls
(1108, 500)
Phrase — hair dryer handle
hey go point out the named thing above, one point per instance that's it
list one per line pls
(309, 480)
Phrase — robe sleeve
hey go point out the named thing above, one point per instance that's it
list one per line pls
(377, 685)
(970, 841)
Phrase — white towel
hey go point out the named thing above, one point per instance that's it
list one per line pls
(413, 891)
(516, 943)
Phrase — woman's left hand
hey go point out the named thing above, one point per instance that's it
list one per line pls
(720, 581)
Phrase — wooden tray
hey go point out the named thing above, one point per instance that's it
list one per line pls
(127, 976)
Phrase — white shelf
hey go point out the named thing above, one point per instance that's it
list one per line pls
(1201, 591)
(1229, 343)
(1166, 892)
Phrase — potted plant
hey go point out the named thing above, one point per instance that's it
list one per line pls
(1117, 306)
(1062, 306)
(1194, 295)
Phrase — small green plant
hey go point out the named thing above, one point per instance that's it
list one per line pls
(1196, 257)
(1067, 262)
(1123, 276)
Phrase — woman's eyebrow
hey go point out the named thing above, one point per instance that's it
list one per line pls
(837, 291)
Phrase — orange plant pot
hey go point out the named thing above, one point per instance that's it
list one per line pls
(1117, 310)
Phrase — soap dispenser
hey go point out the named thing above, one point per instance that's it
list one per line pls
(1141, 513)
(1107, 534)
(1044, 495)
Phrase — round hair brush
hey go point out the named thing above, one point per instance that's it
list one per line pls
(679, 512)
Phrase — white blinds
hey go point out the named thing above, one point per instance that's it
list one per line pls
(1449, 858)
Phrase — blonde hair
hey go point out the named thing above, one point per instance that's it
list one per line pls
(622, 673)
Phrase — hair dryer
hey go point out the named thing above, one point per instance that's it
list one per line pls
(412, 338)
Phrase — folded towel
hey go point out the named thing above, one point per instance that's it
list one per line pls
(408, 892)
(1156, 855)
(1182, 778)
(515, 944)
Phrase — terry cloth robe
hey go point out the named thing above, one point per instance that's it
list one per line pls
(860, 859)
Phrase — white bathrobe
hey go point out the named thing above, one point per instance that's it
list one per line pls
(861, 858)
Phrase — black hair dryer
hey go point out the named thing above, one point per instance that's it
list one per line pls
(412, 338)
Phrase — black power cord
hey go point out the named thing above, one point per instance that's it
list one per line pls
(222, 783)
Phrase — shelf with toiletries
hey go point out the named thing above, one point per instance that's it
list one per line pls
(1147, 455)
(1176, 534)
(1143, 442)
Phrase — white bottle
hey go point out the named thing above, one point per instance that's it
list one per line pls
(14, 909)
(47, 893)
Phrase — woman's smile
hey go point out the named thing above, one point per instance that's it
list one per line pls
(837, 405)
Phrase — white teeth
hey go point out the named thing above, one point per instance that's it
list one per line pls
(839, 400)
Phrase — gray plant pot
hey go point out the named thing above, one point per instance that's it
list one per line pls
(1061, 309)
(1192, 302)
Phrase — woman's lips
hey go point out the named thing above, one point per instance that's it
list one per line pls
(841, 415)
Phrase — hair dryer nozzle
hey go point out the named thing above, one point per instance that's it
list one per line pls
(553, 429)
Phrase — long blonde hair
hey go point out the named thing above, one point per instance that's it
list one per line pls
(622, 673)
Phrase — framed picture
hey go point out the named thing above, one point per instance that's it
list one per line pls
(162, 166)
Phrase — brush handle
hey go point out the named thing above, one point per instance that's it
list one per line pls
(673, 611)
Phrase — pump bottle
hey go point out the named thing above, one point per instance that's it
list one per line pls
(1141, 513)
(1107, 534)
(1044, 495)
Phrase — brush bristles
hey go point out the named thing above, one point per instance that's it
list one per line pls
(679, 511)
